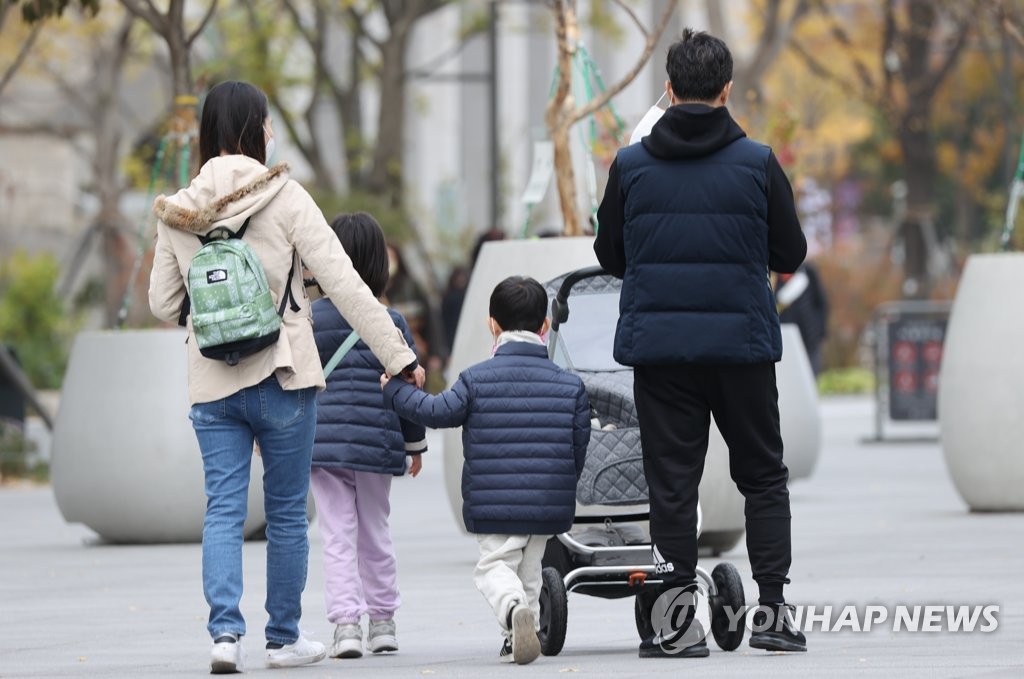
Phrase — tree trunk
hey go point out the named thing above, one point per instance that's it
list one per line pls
(921, 175)
(558, 116)
(565, 179)
(386, 173)
(350, 106)
(117, 255)
(918, 155)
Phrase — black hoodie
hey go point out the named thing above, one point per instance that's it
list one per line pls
(695, 131)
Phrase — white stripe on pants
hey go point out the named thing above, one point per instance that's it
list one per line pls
(509, 572)
(360, 571)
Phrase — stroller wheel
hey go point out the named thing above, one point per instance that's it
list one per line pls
(730, 595)
(554, 610)
(557, 556)
(642, 606)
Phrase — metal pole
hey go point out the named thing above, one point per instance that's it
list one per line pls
(492, 49)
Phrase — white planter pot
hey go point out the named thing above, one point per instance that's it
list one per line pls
(798, 405)
(981, 385)
(125, 460)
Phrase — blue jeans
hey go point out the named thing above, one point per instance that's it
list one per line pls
(283, 422)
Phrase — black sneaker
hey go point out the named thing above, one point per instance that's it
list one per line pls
(505, 654)
(780, 632)
(659, 647)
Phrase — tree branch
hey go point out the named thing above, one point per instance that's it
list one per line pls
(359, 25)
(816, 67)
(934, 80)
(74, 96)
(297, 20)
(1013, 30)
(843, 38)
(20, 59)
(716, 20)
(148, 13)
(202, 24)
(652, 40)
(632, 15)
(773, 38)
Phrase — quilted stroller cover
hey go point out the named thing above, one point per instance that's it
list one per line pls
(613, 473)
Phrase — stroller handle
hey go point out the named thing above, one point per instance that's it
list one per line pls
(560, 304)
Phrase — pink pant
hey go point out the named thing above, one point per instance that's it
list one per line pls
(360, 570)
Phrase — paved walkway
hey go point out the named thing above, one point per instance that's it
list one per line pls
(877, 524)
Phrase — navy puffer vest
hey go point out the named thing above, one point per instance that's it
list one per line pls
(696, 238)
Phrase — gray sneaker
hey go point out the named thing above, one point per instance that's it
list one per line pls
(525, 644)
(348, 641)
(382, 636)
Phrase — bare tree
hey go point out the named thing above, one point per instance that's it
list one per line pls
(918, 51)
(97, 96)
(385, 173)
(563, 112)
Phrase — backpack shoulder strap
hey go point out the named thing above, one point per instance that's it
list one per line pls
(349, 342)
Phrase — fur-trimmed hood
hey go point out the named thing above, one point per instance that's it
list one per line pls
(227, 190)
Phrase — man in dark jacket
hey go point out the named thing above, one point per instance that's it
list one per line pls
(525, 429)
(692, 219)
(803, 301)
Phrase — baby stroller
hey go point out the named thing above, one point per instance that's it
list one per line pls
(607, 552)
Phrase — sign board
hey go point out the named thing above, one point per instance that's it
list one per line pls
(915, 356)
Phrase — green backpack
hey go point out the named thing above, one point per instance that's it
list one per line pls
(232, 310)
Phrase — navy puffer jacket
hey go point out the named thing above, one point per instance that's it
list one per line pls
(353, 429)
(525, 429)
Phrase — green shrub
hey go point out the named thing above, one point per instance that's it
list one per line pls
(846, 381)
(33, 320)
(15, 450)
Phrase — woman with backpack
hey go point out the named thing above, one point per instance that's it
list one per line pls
(253, 366)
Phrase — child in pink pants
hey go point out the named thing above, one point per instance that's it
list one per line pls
(359, 447)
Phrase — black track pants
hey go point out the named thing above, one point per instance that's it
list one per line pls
(674, 405)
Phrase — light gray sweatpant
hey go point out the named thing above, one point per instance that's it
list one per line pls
(508, 573)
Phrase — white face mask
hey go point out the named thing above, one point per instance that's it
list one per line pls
(646, 124)
(270, 148)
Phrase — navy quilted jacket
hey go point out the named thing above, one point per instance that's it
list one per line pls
(353, 429)
(525, 429)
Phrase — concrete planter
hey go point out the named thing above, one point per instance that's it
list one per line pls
(981, 387)
(125, 461)
(798, 405)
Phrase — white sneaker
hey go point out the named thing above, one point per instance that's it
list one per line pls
(302, 652)
(348, 641)
(525, 644)
(382, 636)
(227, 655)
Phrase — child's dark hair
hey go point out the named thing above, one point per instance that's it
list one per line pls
(233, 116)
(363, 240)
(519, 303)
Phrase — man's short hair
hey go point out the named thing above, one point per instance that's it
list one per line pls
(519, 303)
(699, 66)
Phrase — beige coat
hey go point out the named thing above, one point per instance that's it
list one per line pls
(286, 225)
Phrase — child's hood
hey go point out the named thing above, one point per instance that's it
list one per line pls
(227, 190)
